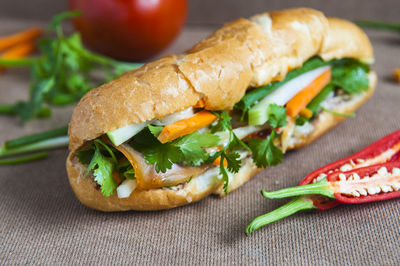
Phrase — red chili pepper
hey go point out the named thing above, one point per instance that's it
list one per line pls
(372, 153)
(383, 179)
(371, 183)
(317, 193)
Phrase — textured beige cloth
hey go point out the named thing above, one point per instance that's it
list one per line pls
(41, 222)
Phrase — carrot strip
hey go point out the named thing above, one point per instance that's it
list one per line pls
(18, 51)
(186, 126)
(200, 104)
(396, 74)
(301, 99)
(218, 161)
(20, 37)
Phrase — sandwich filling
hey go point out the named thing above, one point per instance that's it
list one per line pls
(166, 152)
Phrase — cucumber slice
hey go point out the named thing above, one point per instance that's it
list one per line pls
(122, 134)
(258, 115)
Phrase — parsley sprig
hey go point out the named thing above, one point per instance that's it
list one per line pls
(63, 72)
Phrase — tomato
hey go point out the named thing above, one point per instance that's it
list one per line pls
(129, 30)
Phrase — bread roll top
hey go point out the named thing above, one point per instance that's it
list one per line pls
(219, 69)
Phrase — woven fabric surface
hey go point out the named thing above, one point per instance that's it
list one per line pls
(41, 221)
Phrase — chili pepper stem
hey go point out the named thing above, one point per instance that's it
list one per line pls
(293, 206)
(321, 188)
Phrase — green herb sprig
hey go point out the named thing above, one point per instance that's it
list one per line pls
(63, 72)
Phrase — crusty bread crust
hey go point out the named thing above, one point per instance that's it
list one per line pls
(325, 121)
(219, 69)
(159, 199)
(152, 199)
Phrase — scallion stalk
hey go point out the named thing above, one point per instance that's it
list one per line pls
(24, 159)
(52, 143)
(58, 132)
(381, 25)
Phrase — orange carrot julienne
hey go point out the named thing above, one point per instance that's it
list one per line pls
(396, 73)
(18, 51)
(200, 104)
(20, 37)
(218, 161)
(301, 99)
(186, 126)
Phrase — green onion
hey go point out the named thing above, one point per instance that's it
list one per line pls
(390, 26)
(24, 159)
(339, 114)
(7, 109)
(11, 109)
(40, 145)
(58, 132)
(316, 102)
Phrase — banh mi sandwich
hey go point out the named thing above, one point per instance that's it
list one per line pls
(207, 120)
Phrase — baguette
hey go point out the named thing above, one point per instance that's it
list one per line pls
(218, 70)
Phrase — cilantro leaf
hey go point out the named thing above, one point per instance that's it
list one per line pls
(103, 168)
(350, 75)
(64, 72)
(85, 156)
(227, 154)
(59, 18)
(163, 156)
(223, 122)
(188, 149)
(192, 146)
(265, 153)
(276, 115)
(155, 130)
(225, 176)
(236, 143)
(234, 162)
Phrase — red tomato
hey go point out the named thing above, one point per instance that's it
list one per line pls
(129, 29)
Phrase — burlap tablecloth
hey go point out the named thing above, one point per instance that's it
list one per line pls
(41, 221)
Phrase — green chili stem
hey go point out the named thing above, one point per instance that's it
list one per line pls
(390, 26)
(40, 145)
(339, 114)
(321, 188)
(24, 159)
(57, 132)
(293, 206)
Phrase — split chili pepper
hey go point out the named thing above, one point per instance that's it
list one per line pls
(318, 193)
